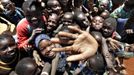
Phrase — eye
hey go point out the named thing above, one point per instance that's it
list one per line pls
(41, 49)
(3, 48)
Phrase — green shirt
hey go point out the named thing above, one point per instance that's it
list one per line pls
(120, 13)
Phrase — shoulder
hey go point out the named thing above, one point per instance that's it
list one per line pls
(22, 23)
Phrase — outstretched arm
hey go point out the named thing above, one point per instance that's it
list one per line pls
(83, 45)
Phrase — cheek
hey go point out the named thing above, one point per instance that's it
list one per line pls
(93, 24)
(43, 52)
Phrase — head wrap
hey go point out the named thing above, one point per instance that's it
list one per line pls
(39, 38)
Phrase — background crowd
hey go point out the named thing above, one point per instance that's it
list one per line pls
(66, 37)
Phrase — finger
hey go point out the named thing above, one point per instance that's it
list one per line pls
(68, 48)
(57, 40)
(130, 31)
(39, 31)
(66, 34)
(78, 57)
(75, 29)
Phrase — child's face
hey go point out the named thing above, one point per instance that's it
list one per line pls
(52, 22)
(97, 22)
(7, 48)
(55, 7)
(33, 17)
(107, 30)
(45, 47)
(8, 6)
(104, 5)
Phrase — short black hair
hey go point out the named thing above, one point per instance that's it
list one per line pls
(112, 21)
(27, 5)
(24, 65)
(6, 36)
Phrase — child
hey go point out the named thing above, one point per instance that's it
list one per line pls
(9, 55)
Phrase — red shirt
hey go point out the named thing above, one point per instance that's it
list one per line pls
(23, 32)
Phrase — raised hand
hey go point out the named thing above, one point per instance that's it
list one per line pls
(34, 33)
(83, 46)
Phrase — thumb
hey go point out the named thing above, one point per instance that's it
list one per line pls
(75, 57)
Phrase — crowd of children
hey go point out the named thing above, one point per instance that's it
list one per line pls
(65, 37)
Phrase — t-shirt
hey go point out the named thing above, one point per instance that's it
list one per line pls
(22, 32)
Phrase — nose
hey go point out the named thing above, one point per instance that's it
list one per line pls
(97, 22)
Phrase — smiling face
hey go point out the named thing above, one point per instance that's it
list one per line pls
(52, 22)
(53, 6)
(7, 48)
(97, 22)
(45, 46)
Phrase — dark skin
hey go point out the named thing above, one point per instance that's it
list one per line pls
(45, 46)
(35, 19)
(52, 22)
(8, 53)
(97, 23)
(7, 49)
(29, 67)
(105, 14)
(8, 5)
(54, 6)
(108, 30)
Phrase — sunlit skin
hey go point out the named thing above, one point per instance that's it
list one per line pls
(83, 45)
(52, 22)
(97, 22)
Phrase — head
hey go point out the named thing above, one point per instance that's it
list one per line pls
(64, 3)
(9, 6)
(53, 6)
(81, 19)
(26, 66)
(109, 27)
(44, 45)
(67, 18)
(8, 47)
(52, 22)
(97, 23)
(105, 14)
(104, 4)
(32, 11)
